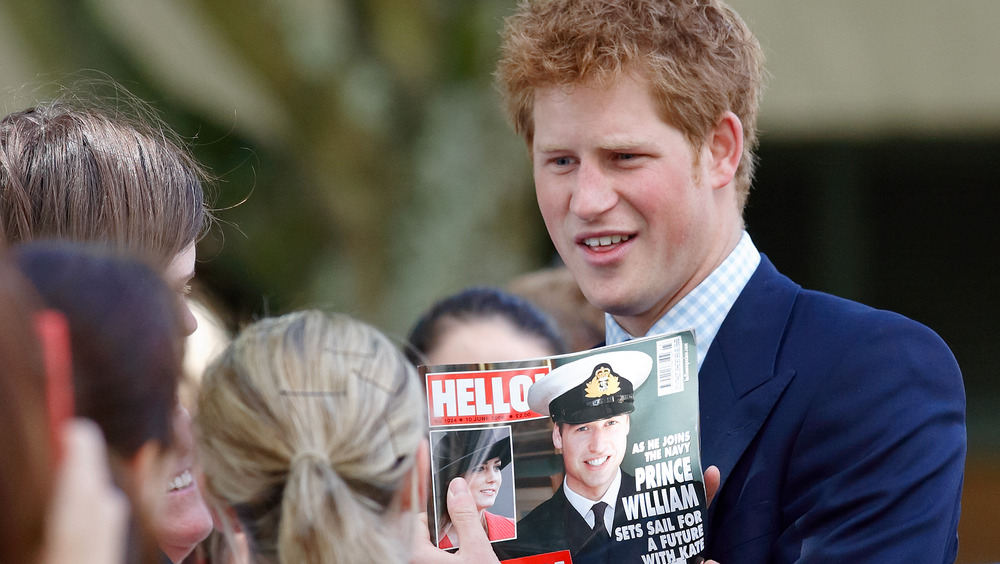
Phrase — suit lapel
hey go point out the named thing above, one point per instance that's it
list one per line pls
(737, 383)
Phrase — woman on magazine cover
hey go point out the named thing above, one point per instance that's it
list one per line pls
(477, 455)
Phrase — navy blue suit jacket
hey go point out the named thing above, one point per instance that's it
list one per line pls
(839, 431)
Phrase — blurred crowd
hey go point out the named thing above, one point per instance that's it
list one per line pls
(102, 208)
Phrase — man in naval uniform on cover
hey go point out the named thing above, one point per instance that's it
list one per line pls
(589, 401)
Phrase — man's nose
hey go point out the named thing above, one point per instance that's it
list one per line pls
(598, 438)
(593, 191)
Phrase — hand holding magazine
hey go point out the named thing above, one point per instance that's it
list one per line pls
(586, 457)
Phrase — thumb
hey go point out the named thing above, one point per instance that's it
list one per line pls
(474, 545)
(464, 513)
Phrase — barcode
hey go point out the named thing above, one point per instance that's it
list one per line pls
(669, 366)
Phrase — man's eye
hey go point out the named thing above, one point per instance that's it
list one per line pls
(626, 156)
(562, 161)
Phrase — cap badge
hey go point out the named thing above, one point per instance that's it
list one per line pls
(603, 383)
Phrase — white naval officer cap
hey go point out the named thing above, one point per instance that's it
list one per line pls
(592, 388)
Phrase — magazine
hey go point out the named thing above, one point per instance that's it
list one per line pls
(541, 440)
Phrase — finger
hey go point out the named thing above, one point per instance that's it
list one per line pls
(464, 513)
(474, 545)
(424, 551)
(712, 479)
(422, 523)
(88, 517)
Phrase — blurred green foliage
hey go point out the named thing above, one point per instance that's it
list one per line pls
(362, 159)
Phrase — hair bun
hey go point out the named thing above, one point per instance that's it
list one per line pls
(309, 454)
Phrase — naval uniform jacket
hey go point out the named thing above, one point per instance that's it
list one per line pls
(556, 525)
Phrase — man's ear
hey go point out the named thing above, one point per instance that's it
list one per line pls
(421, 474)
(723, 149)
(556, 436)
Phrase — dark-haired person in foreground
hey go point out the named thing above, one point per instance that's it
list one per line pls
(126, 340)
(60, 504)
(482, 324)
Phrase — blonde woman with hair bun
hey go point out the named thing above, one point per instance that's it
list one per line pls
(312, 432)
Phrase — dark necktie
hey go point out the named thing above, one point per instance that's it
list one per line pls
(599, 528)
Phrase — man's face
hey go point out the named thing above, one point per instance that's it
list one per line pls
(592, 453)
(622, 200)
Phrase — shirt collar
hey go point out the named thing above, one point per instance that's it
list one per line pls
(705, 307)
(585, 506)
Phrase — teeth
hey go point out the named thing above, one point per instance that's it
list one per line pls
(598, 461)
(605, 241)
(181, 482)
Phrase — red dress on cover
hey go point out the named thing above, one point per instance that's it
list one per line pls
(498, 528)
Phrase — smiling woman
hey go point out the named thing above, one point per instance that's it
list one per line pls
(126, 341)
(73, 169)
(479, 456)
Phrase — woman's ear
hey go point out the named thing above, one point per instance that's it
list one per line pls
(724, 149)
(418, 480)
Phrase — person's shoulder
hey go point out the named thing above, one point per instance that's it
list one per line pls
(538, 532)
(839, 347)
(627, 486)
(814, 311)
(826, 326)
(495, 518)
(857, 322)
(499, 526)
(545, 510)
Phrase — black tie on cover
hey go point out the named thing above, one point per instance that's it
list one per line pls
(599, 527)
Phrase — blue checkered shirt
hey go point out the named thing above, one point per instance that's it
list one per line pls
(705, 307)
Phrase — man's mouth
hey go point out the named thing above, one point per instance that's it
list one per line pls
(606, 241)
(488, 492)
(597, 461)
(183, 480)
